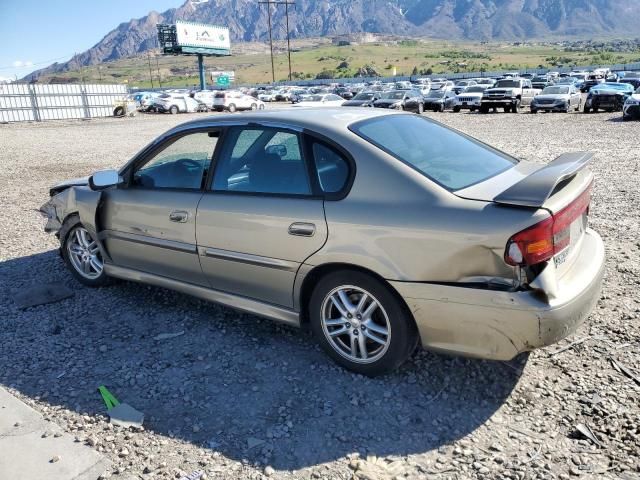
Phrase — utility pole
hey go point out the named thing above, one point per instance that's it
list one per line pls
(158, 69)
(150, 75)
(286, 4)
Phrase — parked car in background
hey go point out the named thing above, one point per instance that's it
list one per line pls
(175, 103)
(344, 92)
(632, 78)
(591, 81)
(206, 97)
(283, 95)
(609, 97)
(509, 94)
(297, 94)
(469, 99)
(439, 100)
(363, 99)
(409, 100)
(557, 98)
(488, 82)
(461, 85)
(267, 96)
(320, 100)
(231, 101)
(465, 250)
(631, 108)
(541, 82)
(144, 100)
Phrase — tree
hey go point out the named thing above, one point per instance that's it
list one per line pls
(326, 75)
(414, 71)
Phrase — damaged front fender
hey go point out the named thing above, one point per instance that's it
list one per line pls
(79, 200)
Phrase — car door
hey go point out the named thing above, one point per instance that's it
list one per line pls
(262, 217)
(149, 223)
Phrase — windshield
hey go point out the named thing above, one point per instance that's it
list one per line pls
(435, 94)
(449, 158)
(539, 79)
(363, 96)
(555, 90)
(507, 84)
(393, 95)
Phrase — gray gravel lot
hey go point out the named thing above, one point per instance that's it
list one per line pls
(240, 397)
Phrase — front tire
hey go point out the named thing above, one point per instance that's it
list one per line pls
(361, 324)
(173, 110)
(232, 108)
(456, 109)
(82, 256)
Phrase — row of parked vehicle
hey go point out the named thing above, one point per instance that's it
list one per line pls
(552, 92)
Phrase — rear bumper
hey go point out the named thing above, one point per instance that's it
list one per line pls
(499, 325)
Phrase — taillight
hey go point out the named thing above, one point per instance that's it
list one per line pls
(547, 238)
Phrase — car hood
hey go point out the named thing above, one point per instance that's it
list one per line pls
(356, 103)
(74, 182)
(471, 94)
(607, 91)
(554, 96)
(386, 101)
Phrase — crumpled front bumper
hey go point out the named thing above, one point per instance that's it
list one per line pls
(499, 325)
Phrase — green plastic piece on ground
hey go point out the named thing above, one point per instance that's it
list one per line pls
(109, 400)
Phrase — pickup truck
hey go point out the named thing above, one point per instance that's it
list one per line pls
(508, 93)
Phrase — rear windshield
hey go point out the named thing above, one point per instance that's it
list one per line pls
(449, 158)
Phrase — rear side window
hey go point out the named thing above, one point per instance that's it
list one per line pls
(332, 168)
(451, 159)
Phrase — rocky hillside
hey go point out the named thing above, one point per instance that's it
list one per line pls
(451, 19)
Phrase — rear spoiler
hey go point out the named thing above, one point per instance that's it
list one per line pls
(535, 189)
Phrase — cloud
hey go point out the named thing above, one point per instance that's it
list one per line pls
(22, 63)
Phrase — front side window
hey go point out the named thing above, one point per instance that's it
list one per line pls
(182, 164)
(262, 160)
(449, 158)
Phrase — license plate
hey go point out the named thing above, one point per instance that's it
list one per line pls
(464, 104)
(577, 230)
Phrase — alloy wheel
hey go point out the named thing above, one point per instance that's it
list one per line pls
(84, 254)
(355, 324)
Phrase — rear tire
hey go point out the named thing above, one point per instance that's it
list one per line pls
(232, 108)
(381, 325)
(254, 106)
(534, 111)
(118, 112)
(420, 109)
(173, 110)
(587, 109)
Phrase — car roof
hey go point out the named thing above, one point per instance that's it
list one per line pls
(319, 120)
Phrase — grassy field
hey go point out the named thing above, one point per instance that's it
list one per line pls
(405, 56)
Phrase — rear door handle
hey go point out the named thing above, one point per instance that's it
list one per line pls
(179, 216)
(302, 229)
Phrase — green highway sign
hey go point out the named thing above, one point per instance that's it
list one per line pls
(223, 81)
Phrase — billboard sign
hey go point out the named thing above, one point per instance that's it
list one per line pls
(199, 35)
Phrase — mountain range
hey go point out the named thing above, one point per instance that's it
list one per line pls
(446, 19)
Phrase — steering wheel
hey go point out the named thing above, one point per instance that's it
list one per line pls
(187, 163)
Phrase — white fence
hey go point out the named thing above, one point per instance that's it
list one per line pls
(36, 103)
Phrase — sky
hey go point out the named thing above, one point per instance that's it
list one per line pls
(36, 33)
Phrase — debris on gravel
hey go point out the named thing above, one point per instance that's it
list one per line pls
(239, 397)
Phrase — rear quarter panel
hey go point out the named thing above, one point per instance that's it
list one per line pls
(402, 226)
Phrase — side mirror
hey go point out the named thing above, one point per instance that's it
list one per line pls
(104, 179)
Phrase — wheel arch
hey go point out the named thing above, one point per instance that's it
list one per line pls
(320, 271)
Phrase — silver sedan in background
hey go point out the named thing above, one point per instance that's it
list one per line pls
(557, 98)
(380, 230)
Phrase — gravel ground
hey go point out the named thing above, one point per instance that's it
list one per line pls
(240, 397)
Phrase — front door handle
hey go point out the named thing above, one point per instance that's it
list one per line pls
(179, 216)
(302, 229)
